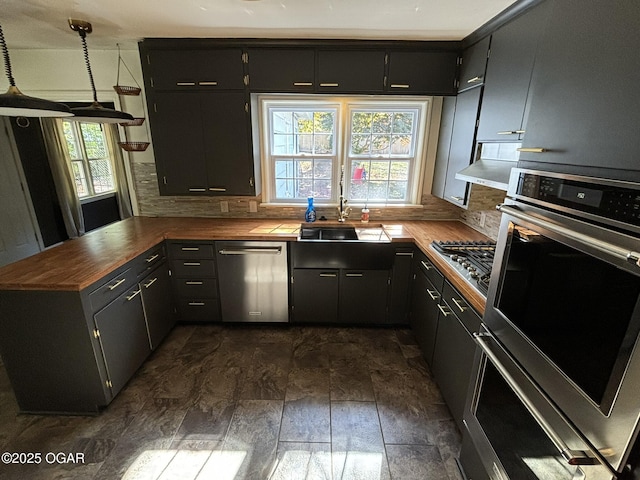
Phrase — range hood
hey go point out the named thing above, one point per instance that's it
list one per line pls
(493, 166)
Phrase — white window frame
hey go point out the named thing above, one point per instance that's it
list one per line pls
(346, 105)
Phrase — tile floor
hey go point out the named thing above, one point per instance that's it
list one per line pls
(254, 402)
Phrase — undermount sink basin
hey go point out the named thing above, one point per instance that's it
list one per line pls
(328, 233)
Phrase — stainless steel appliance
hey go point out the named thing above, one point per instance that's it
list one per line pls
(253, 281)
(471, 260)
(561, 343)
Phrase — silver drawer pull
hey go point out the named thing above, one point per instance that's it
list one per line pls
(426, 265)
(151, 282)
(152, 258)
(475, 79)
(197, 189)
(433, 294)
(193, 282)
(457, 199)
(532, 150)
(185, 84)
(354, 275)
(191, 264)
(330, 275)
(404, 254)
(399, 85)
(458, 303)
(190, 249)
(446, 312)
(117, 284)
(217, 189)
(329, 84)
(208, 84)
(303, 84)
(196, 304)
(133, 295)
(511, 132)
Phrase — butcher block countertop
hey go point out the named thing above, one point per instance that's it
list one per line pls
(76, 264)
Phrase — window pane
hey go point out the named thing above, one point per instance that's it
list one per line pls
(80, 178)
(397, 190)
(72, 140)
(380, 145)
(382, 133)
(285, 188)
(303, 122)
(282, 122)
(322, 169)
(399, 171)
(381, 122)
(323, 143)
(361, 122)
(377, 191)
(305, 169)
(403, 122)
(323, 122)
(93, 140)
(401, 145)
(322, 189)
(101, 175)
(284, 169)
(304, 144)
(360, 144)
(281, 144)
(380, 170)
(300, 178)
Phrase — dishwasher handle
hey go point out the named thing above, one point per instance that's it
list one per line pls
(251, 251)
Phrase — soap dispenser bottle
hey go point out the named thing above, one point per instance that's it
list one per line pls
(310, 214)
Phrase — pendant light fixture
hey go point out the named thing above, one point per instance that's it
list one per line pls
(14, 103)
(95, 112)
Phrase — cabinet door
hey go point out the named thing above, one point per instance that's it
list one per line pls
(363, 296)
(217, 69)
(424, 314)
(513, 50)
(315, 295)
(474, 63)
(401, 286)
(351, 71)
(584, 108)
(281, 70)
(444, 146)
(158, 304)
(176, 128)
(463, 137)
(123, 337)
(227, 144)
(427, 73)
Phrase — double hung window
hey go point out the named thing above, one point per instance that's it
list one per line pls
(90, 162)
(375, 146)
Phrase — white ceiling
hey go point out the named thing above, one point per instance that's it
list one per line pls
(43, 23)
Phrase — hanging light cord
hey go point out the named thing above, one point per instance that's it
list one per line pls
(7, 61)
(83, 37)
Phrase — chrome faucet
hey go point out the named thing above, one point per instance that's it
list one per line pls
(343, 210)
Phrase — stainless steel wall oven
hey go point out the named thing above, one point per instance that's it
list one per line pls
(560, 346)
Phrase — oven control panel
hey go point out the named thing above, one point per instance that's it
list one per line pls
(608, 199)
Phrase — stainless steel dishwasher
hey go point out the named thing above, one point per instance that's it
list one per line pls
(253, 281)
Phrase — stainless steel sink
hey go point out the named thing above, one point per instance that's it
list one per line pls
(328, 233)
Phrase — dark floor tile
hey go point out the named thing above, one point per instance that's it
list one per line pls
(309, 355)
(405, 336)
(302, 461)
(207, 420)
(403, 423)
(309, 383)
(415, 462)
(306, 420)
(231, 354)
(351, 383)
(268, 374)
(222, 382)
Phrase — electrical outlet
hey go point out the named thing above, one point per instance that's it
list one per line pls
(253, 206)
(224, 206)
(483, 219)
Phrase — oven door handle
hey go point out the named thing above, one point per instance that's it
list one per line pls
(606, 247)
(573, 457)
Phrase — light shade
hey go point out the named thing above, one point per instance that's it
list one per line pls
(96, 113)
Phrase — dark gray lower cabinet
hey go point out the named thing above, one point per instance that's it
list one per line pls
(315, 295)
(424, 317)
(158, 305)
(123, 337)
(363, 296)
(470, 460)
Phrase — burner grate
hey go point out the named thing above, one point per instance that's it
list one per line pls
(474, 257)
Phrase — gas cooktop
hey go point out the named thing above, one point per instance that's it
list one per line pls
(472, 260)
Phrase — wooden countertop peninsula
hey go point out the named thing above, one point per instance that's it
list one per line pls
(76, 264)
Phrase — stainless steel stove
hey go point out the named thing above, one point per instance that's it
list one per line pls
(472, 260)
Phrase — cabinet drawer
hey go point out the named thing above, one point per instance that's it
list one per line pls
(110, 289)
(431, 272)
(199, 309)
(149, 260)
(459, 306)
(196, 287)
(193, 268)
(191, 250)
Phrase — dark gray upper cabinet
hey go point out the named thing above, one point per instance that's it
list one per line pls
(508, 75)
(350, 71)
(182, 69)
(584, 109)
(416, 72)
(474, 64)
(281, 69)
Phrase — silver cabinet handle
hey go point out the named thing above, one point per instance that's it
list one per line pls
(133, 295)
(217, 189)
(354, 275)
(191, 264)
(399, 85)
(462, 308)
(457, 199)
(196, 304)
(190, 249)
(331, 275)
(404, 254)
(434, 295)
(208, 84)
(152, 258)
(151, 282)
(510, 132)
(475, 79)
(250, 251)
(197, 189)
(446, 312)
(329, 84)
(532, 150)
(185, 84)
(302, 84)
(571, 456)
(193, 282)
(117, 284)
(426, 265)
(601, 245)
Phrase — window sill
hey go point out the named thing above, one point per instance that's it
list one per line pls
(335, 205)
(97, 198)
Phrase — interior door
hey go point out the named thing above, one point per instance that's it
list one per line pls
(18, 235)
